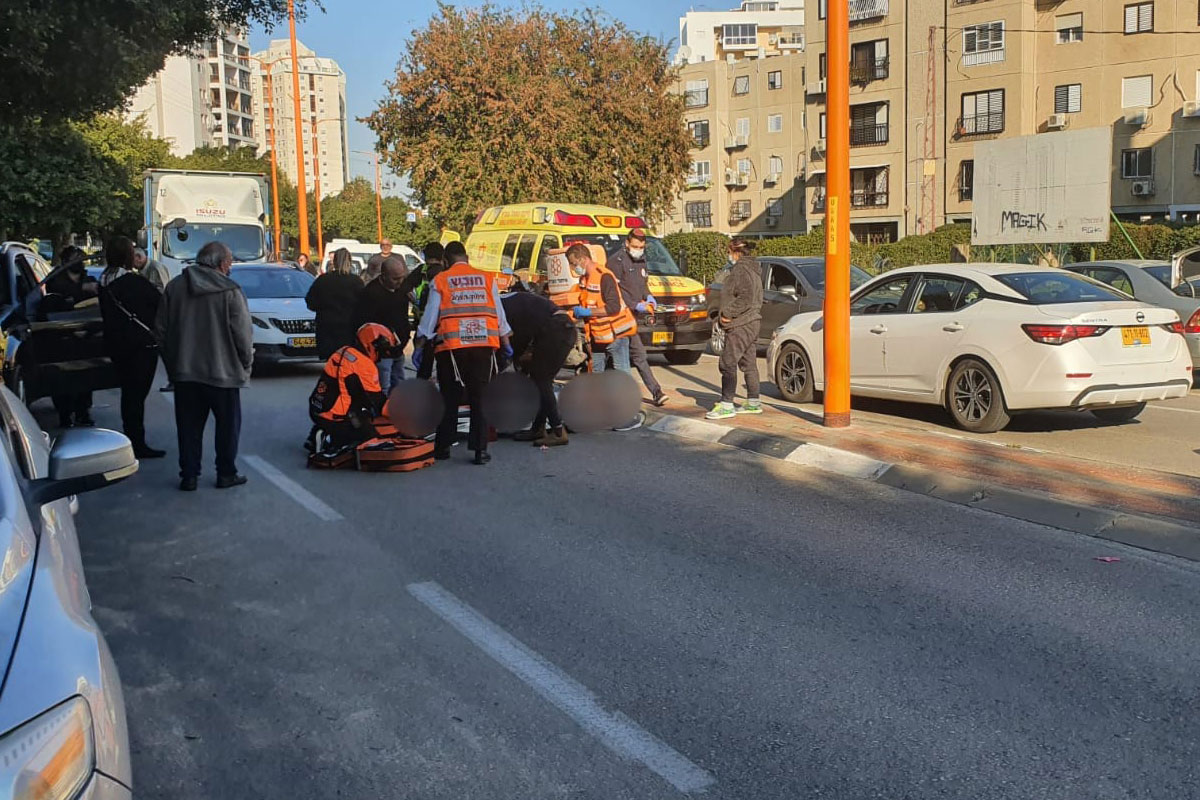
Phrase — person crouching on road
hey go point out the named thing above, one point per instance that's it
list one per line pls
(348, 397)
(543, 336)
(741, 316)
(467, 319)
(610, 323)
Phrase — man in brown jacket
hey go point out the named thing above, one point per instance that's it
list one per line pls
(741, 315)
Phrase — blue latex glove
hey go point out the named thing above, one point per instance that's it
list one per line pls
(581, 313)
(417, 357)
(506, 350)
(650, 301)
(641, 308)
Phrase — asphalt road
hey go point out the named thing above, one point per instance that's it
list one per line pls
(632, 616)
(1163, 438)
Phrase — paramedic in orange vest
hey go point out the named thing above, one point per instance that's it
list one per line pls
(465, 319)
(609, 321)
(348, 397)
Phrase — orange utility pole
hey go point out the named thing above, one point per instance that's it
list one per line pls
(301, 188)
(275, 211)
(837, 216)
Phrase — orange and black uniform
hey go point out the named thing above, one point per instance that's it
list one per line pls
(611, 318)
(347, 398)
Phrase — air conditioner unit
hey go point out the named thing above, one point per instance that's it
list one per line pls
(731, 177)
(771, 222)
(1138, 117)
(1191, 108)
(731, 59)
(762, 52)
(743, 179)
(1057, 122)
(816, 87)
(1142, 188)
(821, 145)
(743, 141)
(773, 38)
(773, 178)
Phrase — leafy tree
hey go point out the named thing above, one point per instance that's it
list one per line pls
(127, 150)
(498, 106)
(351, 215)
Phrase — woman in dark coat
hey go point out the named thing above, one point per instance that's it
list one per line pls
(334, 298)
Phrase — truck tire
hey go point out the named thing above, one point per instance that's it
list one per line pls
(682, 357)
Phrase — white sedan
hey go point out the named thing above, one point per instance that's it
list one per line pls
(284, 328)
(989, 340)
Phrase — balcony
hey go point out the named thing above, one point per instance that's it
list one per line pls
(867, 9)
(868, 198)
(981, 124)
(696, 98)
(790, 41)
(873, 70)
(818, 204)
(699, 181)
(862, 135)
(738, 215)
(994, 56)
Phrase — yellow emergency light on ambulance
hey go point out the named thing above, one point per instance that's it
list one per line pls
(516, 239)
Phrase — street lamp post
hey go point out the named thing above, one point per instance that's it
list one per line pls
(301, 187)
(837, 216)
(317, 186)
(378, 191)
(275, 210)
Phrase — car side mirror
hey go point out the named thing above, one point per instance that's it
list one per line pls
(790, 291)
(83, 460)
(143, 239)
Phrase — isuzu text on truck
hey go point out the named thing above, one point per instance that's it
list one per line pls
(186, 210)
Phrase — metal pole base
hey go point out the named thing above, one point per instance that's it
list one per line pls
(840, 419)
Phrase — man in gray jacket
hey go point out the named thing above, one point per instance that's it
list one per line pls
(741, 316)
(207, 345)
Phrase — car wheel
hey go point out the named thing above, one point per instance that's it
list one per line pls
(1115, 416)
(794, 374)
(975, 399)
(683, 357)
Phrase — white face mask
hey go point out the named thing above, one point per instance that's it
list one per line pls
(578, 270)
(636, 254)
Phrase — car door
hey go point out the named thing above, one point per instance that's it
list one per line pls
(872, 312)
(782, 296)
(921, 341)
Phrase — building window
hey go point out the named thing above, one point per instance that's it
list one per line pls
(700, 175)
(775, 167)
(775, 207)
(983, 44)
(698, 213)
(869, 124)
(1137, 163)
(821, 9)
(775, 123)
(869, 61)
(741, 84)
(869, 187)
(699, 133)
(743, 127)
(1069, 28)
(745, 166)
(822, 66)
(982, 112)
(1137, 91)
(739, 211)
(821, 126)
(696, 95)
(1196, 160)
(1068, 98)
(742, 35)
(966, 181)
(775, 80)
(1139, 18)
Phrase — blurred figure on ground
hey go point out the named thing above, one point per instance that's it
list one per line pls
(417, 285)
(375, 262)
(334, 298)
(740, 317)
(207, 339)
(610, 324)
(466, 318)
(629, 265)
(150, 269)
(71, 285)
(384, 301)
(129, 303)
(348, 396)
(543, 335)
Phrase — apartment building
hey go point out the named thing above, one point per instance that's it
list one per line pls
(174, 104)
(929, 81)
(322, 106)
(231, 96)
(769, 26)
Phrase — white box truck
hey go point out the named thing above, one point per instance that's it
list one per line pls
(186, 210)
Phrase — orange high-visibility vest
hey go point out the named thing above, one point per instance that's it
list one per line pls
(331, 399)
(467, 316)
(603, 327)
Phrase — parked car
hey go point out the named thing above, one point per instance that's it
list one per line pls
(62, 716)
(284, 328)
(790, 286)
(47, 352)
(990, 340)
(1150, 281)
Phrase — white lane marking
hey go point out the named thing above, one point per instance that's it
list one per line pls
(615, 731)
(293, 490)
(841, 462)
(691, 428)
(1168, 408)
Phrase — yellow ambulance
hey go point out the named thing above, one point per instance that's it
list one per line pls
(515, 239)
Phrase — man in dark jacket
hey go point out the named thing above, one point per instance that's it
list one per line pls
(385, 302)
(629, 265)
(542, 338)
(741, 316)
(208, 346)
(334, 299)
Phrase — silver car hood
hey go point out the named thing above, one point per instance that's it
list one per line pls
(18, 547)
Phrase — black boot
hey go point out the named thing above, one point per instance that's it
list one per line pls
(145, 451)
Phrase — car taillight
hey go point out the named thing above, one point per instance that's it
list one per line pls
(1174, 327)
(1193, 324)
(1061, 334)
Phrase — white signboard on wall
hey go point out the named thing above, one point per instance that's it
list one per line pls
(1049, 188)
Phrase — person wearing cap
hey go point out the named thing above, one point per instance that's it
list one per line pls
(740, 317)
(629, 265)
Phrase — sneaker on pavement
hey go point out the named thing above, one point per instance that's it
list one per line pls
(721, 411)
(751, 407)
(660, 400)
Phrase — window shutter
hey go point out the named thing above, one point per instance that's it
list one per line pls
(1146, 17)
(1136, 91)
(970, 40)
(1060, 99)
(1131, 19)
(1074, 97)
(1067, 21)
(881, 49)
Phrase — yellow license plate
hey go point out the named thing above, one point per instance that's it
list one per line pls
(303, 342)
(662, 337)
(1137, 336)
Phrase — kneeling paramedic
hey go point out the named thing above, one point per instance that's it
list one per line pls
(610, 323)
(543, 336)
(348, 397)
(465, 319)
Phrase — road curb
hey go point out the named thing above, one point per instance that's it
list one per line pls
(1161, 535)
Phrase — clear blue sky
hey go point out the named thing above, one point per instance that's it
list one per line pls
(366, 38)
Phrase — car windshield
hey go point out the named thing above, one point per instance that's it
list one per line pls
(815, 275)
(1051, 288)
(1162, 274)
(658, 258)
(246, 241)
(272, 282)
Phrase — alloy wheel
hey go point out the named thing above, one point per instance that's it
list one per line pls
(973, 395)
(794, 372)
